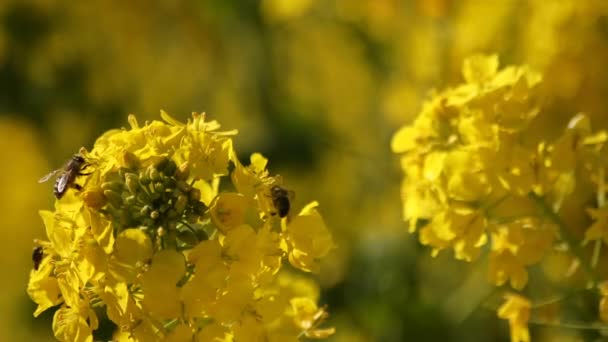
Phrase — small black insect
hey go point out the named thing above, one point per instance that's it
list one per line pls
(281, 200)
(37, 256)
(67, 175)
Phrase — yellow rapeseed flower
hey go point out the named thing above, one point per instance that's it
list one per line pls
(152, 240)
(516, 309)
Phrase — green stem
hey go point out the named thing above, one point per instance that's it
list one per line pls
(601, 199)
(571, 325)
(574, 246)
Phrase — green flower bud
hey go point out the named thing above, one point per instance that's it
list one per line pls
(172, 214)
(153, 173)
(132, 182)
(180, 203)
(113, 197)
(183, 186)
(144, 178)
(159, 187)
(162, 165)
(170, 168)
(195, 194)
(130, 200)
(112, 185)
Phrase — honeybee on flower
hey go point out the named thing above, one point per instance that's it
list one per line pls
(66, 175)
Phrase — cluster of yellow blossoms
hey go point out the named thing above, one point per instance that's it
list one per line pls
(153, 241)
(481, 179)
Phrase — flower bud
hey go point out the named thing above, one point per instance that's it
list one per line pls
(195, 194)
(170, 168)
(183, 186)
(129, 160)
(113, 197)
(159, 187)
(181, 203)
(112, 185)
(132, 182)
(153, 173)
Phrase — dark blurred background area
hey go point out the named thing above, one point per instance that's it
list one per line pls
(318, 87)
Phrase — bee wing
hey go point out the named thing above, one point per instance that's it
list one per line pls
(49, 176)
(62, 183)
(291, 194)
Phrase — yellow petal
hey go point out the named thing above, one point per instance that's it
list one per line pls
(228, 211)
(159, 284)
(479, 68)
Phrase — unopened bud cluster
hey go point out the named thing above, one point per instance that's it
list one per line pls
(159, 200)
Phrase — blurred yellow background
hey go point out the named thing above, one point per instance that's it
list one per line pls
(317, 86)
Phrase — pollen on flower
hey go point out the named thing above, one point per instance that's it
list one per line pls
(151, 239)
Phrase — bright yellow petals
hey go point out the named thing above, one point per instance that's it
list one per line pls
(466, 180)
(132, 250)
(307, 316)
(462, 229)
(516, 246)
(159, 284)
(60, 231)
(249, 329)
(308, 239)
(70, 325)
(516, 309)
(477, 171)
(228, 211)
(151, 240)
(480, 68)
(121, 306)
(214, 333)
(180, 333)
(599, 229)
(102, 230)
(44, 289)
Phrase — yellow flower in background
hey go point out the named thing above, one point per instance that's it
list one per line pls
(478, 173)
(599, 229)
(451, 154)
(603, 307)
(152, 240)
(516, 309)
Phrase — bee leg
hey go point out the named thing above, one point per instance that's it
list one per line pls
(77, 186)
(84, 174)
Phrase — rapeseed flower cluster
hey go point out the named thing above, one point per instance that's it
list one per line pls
(480, 179)
(152, 240)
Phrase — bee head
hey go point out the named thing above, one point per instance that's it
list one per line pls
(276, 190)
(78, 158)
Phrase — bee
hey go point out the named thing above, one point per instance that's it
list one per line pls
(67, 175)
(281, 200)
(37, 256)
